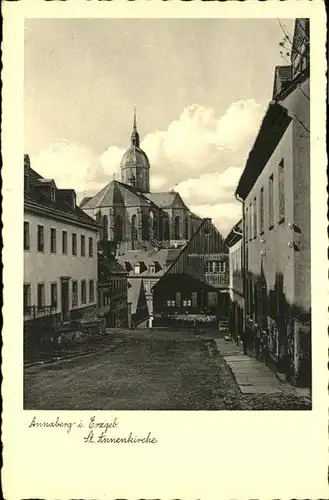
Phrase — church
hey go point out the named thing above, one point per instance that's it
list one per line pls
(133, 218)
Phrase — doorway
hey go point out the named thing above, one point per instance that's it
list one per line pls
(65, 300)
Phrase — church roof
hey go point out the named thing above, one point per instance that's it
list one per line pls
(169, 199)
(134, 157)
(116, 193)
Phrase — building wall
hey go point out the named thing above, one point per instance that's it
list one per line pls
(235, 268)
(269, 249)
(46, 267)
(298, 105)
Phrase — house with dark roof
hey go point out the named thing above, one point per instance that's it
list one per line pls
(274, 189)
(194, 288)
(112, 292)
(60, 253)
(234, 243)
(148, 265)
(132, 217)
(138, 304)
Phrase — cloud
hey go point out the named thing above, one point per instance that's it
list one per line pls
(111, 159)
(210, 188)
(194, 155)
(71, 166)
(199, 142)
(223, 215)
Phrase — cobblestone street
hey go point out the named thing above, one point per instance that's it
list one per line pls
(147, 371)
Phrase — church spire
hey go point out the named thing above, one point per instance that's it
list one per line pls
(135, 135)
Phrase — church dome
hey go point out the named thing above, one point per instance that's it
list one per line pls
(135, 157)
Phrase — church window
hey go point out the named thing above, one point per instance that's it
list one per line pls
(166, 227)
(105, 227)
(177, 228)
(186, 228)
(145, 227)
(118, 228)
(133, 228)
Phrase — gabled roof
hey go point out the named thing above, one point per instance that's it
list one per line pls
(107, 267)
(136, 296)
(116, 193)
(282, 79)
(163, 257)
(168, 199)
(37, 200)
(235, 234)
(206, 242)
(273, 126)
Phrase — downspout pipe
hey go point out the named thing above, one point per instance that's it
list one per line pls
(240, 200)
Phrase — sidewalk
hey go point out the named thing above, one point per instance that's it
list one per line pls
(252, 376)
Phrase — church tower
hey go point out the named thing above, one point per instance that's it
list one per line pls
(135, 166)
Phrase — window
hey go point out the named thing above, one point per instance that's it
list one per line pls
(91, 250)
(194, 299)
(137, 268)
(91, 290)
(52, 240)
(250, 222)
(74, 293)
(152, 268)
(261, 211)
(171, 303)
(74, 244)
(118, 228)
(53, 294)
(187, 303)
(41, 240)
(26, 297)
(41, 296)
(255, 218)
(281, 191)
(247, 224)
(26, 235)
(215, 266)
(64, 242)
(186, 228)
(212, 299)
(83, 246)
(270, 203)
(178, 299)
(83, 292)
(177, 228)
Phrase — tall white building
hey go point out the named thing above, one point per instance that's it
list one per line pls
(60, 252)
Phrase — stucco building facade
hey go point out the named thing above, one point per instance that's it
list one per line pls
(60, 253)
(275, 191)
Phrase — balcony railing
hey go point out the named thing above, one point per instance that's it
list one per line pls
(217, 278)
(34, 312)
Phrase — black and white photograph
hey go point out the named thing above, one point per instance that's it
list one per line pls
(165, 285)
(167, 209)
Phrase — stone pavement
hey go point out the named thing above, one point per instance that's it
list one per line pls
(252, 376)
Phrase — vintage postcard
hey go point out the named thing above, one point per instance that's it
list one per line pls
(165, 267)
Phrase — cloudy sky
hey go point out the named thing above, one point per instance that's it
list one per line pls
(200, 88)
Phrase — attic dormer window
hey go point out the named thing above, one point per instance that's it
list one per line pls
(137, 268)
(152, 268)
(53, 194)
(74, 202)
